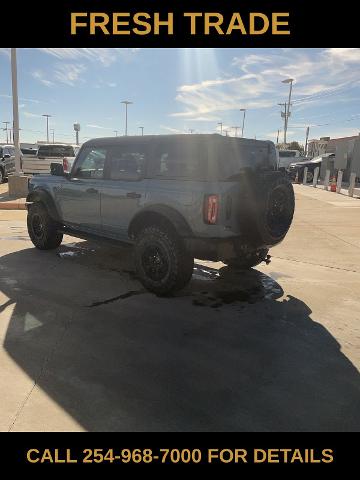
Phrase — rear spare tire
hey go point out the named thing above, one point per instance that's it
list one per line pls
(43, 230)
(162, 262)
(276, 207)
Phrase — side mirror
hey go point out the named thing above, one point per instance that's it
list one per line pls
(7, 155)
(57, 169)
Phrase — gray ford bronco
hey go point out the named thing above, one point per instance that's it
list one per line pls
(174, 197)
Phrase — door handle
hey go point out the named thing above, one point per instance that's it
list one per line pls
(92, 190)
(133, 195)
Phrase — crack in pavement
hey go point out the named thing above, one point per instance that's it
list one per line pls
(128, 294)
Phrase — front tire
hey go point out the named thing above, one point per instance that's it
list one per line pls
(2, 176)
(42, 229)
(162, 262)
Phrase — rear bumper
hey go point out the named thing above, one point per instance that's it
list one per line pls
(216, 249)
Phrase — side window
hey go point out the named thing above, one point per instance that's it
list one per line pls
(6, 151)
(126, 163)
(91, 163)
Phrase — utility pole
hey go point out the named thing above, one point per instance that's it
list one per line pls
(277, 137)
(191, 131)
(306, 141)
(6, 130)
(126, 103)
(283, 114)
(15, 111)
(287, 112)
(221, 127)
(47, 125)
(53, 134)
(243, 122)
(116, 133)
(236, 129)
(142, 131)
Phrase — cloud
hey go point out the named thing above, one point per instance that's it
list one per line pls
(106, 56)
(69, 73)
(31, 115)
(62, 73)
(171, 129)
(31, 100)
(40, 76)
(98, 126)
(320, 76)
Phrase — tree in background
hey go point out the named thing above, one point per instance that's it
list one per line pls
(296, 146)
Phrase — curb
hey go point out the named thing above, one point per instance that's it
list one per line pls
(12, 205)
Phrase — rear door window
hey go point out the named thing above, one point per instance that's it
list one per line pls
(126, 162)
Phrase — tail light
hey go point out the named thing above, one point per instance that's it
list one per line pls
(66, 165)
(211, 209)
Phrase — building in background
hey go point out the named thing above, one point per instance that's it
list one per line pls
(345, 149)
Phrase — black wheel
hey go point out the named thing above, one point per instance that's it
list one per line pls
(2, 176)
(248, 261)
(43, 231)
(162, 262)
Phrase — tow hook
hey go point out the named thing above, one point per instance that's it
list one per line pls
(267, 259)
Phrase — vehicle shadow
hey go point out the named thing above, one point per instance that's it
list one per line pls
(117, 358)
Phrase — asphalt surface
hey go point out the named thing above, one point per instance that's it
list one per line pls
(84, 347)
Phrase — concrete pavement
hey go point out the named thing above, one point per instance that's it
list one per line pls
(84, 347)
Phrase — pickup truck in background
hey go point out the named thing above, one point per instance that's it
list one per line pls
(47, 154)
(286, 157)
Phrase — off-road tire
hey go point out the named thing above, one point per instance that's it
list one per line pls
(2, 176)
(162, 262)
(275, 207)
(43, 230)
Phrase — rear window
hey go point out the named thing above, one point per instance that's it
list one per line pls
(56, 151)
(179, 158)
(234, 156)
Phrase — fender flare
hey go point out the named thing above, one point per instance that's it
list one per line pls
(44, 197)
(168, 213)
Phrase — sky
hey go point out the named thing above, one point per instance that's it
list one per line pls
(182, 90)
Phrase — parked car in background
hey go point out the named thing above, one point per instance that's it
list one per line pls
(47, 154)
(173, 197)
(7, 161)
(286, 157)
(298, 168)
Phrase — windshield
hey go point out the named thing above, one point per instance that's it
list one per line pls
(56, 151)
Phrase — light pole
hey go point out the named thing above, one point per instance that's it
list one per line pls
(243, 122)
(126, 103)
(15, 111)
(6, 130)
(287, 111)
(236, 129)
(221, 125)
(142, 131)
(116, 132)
(47, 126)
(53, 134)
